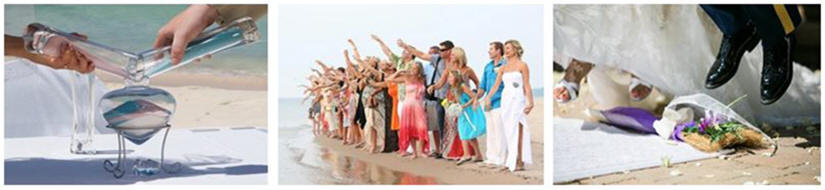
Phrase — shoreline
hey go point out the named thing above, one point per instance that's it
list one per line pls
(426, 170)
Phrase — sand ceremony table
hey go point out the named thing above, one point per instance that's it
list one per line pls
(209, 156)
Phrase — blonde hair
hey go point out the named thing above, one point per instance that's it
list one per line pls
(517, 46)
(459, 56)
(420, 66)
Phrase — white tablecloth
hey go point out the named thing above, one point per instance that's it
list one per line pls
(209, 156)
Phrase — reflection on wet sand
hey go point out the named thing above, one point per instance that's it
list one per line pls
(303, 160)
(353, 171)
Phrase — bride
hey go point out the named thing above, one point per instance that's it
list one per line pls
(670, 47)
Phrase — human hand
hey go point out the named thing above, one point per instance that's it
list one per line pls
(401, 44)
(68, 57)
(528, 108)
(487, 103)
(183, 28)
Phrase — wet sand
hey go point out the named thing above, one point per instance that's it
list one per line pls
(796, 162)
(321, 160)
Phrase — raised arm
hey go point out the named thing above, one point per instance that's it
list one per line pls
(324, 66)
(414, 51)
(355, 54)
(397, 77)
(350, 67)
(384, 47)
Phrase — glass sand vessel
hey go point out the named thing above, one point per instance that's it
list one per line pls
(137, 111)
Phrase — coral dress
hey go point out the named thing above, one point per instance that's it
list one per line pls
(413, 119)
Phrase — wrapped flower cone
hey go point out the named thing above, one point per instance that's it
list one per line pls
(743, 137)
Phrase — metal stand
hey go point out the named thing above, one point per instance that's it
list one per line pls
(117, 168)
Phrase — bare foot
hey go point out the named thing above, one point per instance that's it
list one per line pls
(519, 166)
(370, 149)
(640, 92)
(560, 93)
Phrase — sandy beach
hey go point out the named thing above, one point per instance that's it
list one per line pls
(393, 169)
(797, 160)
(210, 100)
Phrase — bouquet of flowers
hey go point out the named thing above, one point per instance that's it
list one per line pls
(714, 132)
(708, 125)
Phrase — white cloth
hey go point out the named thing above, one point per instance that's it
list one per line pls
(496, 145)
(672, 47)
(513, 102)
(38, 100)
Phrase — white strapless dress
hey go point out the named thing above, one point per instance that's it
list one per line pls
(513, 102)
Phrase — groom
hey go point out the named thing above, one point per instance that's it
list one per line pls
(743, 27)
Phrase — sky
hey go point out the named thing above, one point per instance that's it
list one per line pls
(310, 32)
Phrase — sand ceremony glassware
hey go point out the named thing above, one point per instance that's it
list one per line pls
(83, 109)
(137, 111)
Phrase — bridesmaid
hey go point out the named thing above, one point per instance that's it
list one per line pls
(516, 103)
(413, 130)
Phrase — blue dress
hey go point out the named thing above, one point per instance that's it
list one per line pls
(471, 122)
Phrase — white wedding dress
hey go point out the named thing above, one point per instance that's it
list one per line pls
(513, 102)
(672, 47)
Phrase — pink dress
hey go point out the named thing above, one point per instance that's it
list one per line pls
(413, 119)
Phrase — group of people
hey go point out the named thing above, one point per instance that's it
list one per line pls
(393, 104)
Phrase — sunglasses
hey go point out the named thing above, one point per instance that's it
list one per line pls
(443, 50)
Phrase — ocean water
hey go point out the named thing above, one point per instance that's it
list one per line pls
(133, 28)
(293, 113)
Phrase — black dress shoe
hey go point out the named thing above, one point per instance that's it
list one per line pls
(730, 53)
(777, 70)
